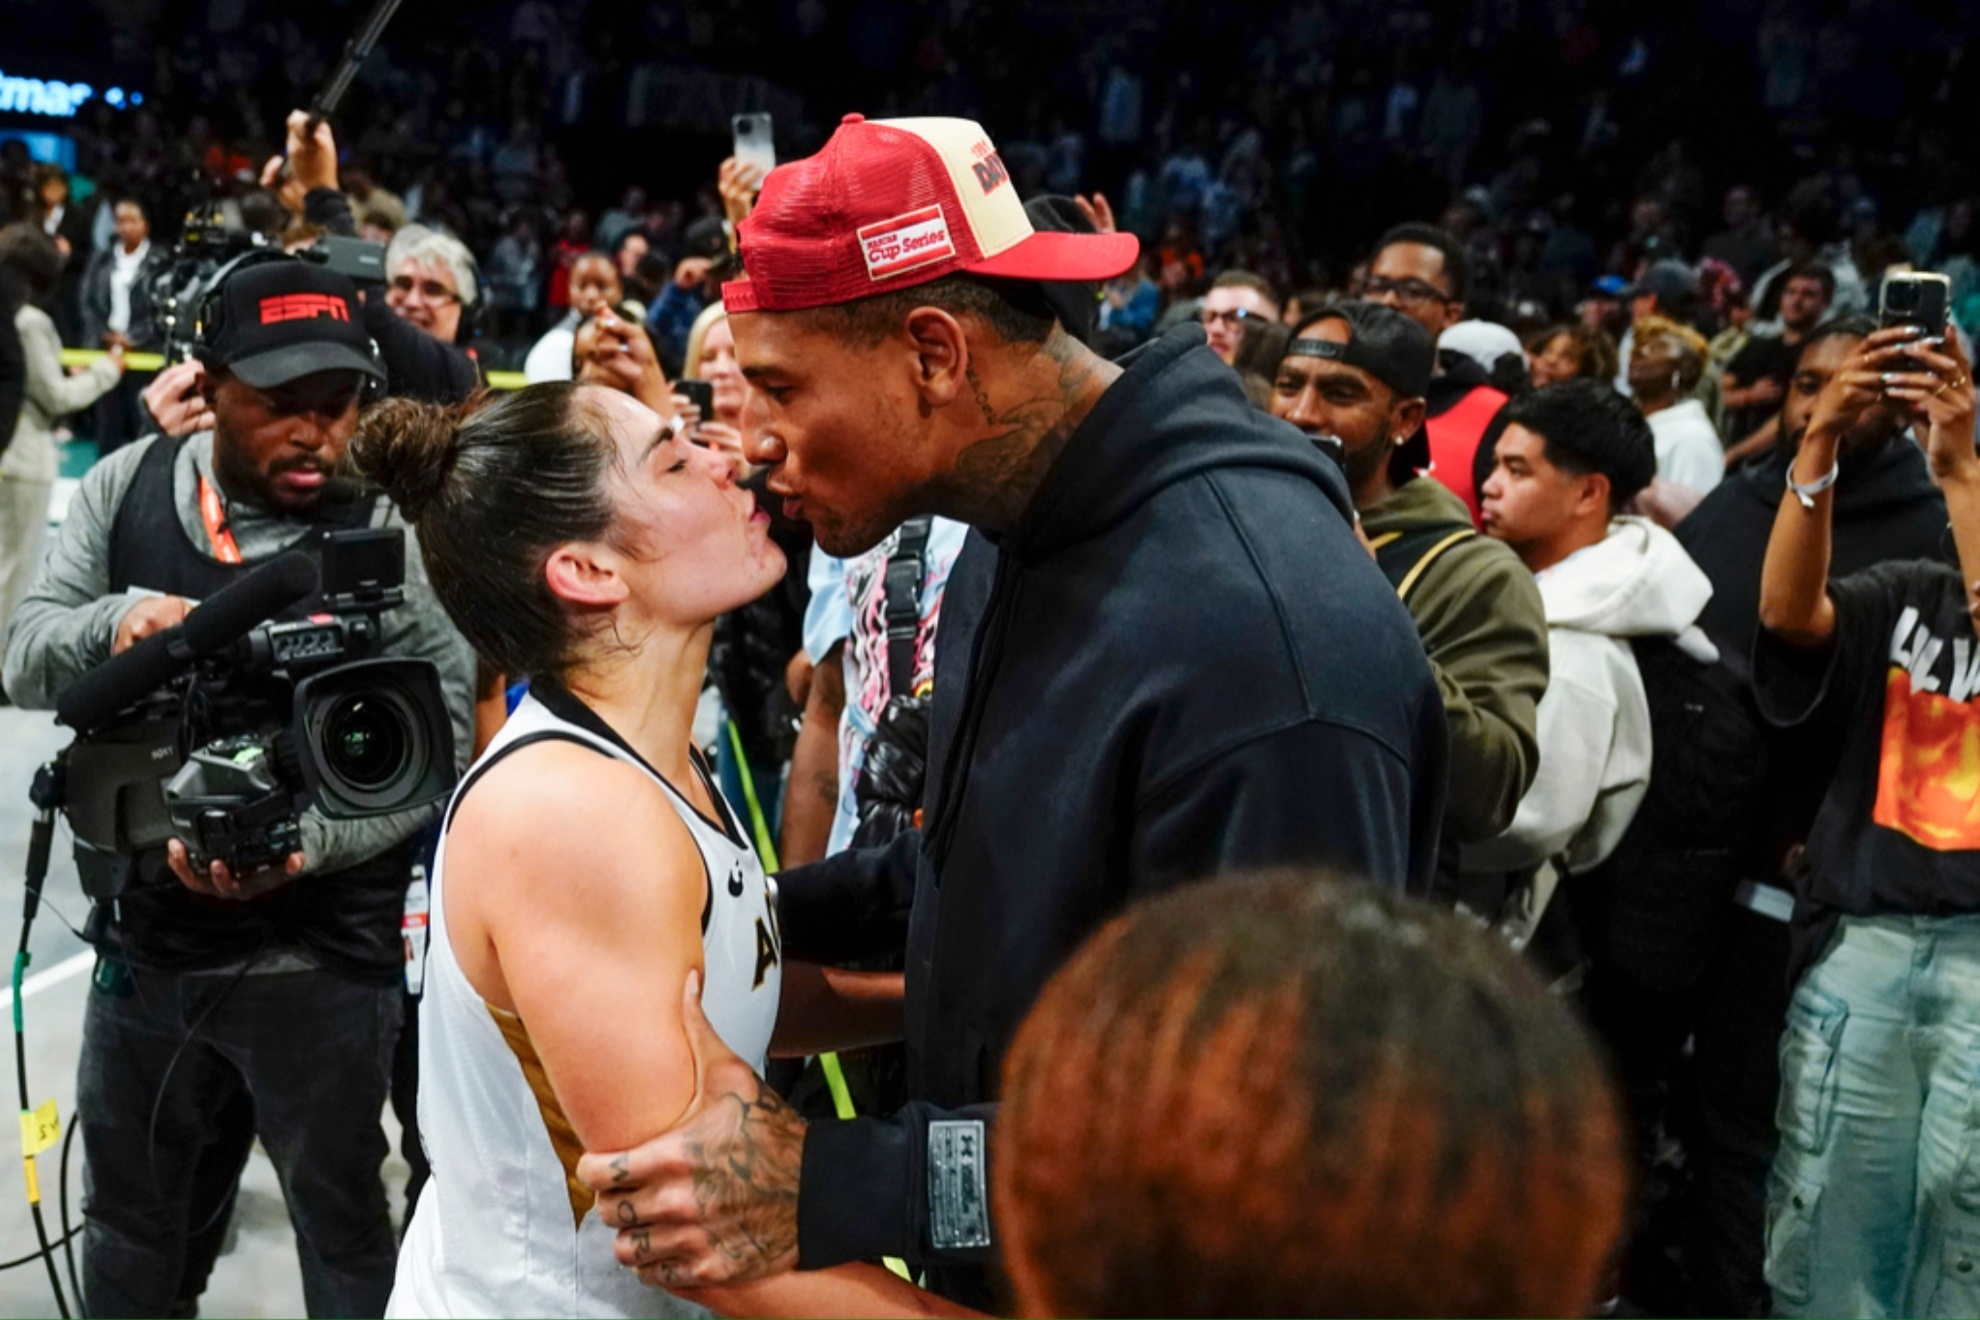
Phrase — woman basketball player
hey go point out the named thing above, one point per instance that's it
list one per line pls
(575, 538)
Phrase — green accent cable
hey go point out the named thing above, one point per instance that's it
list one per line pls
(766, 850)
(21, 960)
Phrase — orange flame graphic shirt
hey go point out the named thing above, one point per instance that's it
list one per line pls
(1928, 770)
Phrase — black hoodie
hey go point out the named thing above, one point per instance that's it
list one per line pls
(1180, 662)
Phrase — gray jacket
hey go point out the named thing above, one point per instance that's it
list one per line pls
(65, 625)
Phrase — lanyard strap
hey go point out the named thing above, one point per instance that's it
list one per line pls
(218, 534)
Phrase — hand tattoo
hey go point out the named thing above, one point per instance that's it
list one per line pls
(747, 1154)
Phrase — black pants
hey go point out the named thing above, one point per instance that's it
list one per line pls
(178, 1073)
(1735, 1087)
(120, 415)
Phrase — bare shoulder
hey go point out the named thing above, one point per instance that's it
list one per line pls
(564, 812)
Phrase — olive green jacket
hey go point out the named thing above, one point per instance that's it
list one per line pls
(1482, 623)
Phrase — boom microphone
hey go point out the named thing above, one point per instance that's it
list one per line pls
(96, 697)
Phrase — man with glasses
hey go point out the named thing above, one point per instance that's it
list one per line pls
(1421, 271)
(1235, 297)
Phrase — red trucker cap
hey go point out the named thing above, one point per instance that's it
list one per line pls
(894, 203)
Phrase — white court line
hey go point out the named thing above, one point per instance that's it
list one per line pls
(66, 970)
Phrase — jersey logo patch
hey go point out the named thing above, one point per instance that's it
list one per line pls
(766, 952)
(736, 881)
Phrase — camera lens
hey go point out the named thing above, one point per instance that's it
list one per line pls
(365, 739)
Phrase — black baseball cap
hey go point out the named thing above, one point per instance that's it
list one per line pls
(1381, 341)
(277, 321)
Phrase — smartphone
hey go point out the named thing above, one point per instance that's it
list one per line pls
(754, 144)
(699, 393)
(1916, 297)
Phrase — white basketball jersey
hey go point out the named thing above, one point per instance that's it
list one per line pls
(504, 1227)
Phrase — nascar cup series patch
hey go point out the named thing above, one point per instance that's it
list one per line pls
(906, 242)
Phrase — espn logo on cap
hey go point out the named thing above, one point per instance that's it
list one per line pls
(906, 242)
(303, 307)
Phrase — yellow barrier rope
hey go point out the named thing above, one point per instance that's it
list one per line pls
(82, 357)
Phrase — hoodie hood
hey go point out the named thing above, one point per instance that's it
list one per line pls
(1636, 582)
(1168, 417)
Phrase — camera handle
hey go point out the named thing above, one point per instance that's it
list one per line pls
(47, 796)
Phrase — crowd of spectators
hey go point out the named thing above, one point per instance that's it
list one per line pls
(1570, 291)
(1563, 141)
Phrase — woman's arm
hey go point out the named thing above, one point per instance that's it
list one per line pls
(573, 884)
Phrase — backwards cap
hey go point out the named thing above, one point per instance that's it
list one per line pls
(895, 203)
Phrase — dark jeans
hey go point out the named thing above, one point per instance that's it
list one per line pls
(178, 1072)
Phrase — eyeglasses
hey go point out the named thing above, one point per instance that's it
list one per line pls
(1236, 316)
(431, 290)
(1406, 291)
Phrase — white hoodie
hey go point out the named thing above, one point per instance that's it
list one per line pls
(1594, 728)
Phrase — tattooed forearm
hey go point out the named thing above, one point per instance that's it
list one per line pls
(746, 1181)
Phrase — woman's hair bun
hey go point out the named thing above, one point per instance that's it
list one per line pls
(407, 448)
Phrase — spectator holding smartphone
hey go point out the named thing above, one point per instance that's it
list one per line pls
(1874, 1198)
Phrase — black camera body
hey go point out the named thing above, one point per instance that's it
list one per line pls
(209, 249)
(227, 755)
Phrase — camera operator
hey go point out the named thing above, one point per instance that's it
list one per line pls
(420, 320)
(215, 995)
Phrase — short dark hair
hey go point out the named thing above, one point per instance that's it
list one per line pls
(1588, 428)
(30, 264)
(1813, 270)
(1841, 327)
(1303, 1026)
(1457, 266)
(1244, 279)
(1017, 311)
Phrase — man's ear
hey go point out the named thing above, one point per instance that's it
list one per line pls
(941, 355)
(1453, 313)
(209, 387)
(1592, 495)
(585, 573)
(1405, 418)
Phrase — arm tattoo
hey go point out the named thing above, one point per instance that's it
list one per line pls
(746, 1178)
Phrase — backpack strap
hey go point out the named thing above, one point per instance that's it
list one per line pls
(1430, 556)
(1405, 556)
(907, 563)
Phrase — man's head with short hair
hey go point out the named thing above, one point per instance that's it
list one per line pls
(901, 354)
(1421, 271)
(1234, 297)
(1807, 291)
(1358, 372)
(286, 356)
(1825, 352)
(1570, 458)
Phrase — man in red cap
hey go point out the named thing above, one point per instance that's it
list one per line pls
(1164, 656)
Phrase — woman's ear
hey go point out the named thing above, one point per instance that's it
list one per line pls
(585, 573)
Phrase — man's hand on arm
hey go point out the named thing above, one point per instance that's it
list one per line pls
(713, 1200)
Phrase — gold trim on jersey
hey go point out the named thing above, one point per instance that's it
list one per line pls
(563, 1137)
